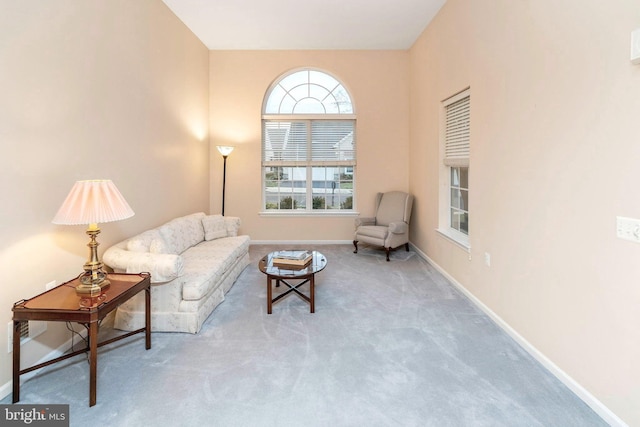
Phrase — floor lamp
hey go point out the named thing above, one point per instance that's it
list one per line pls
(225, 150)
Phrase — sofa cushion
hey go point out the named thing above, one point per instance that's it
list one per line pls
(181, 233)
(233, 224)
(142, 242)
(215, 227)
(159, 246)
(207, 262)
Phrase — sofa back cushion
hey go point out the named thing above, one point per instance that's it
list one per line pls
(180, 234)
(142, 242)
(215, 227)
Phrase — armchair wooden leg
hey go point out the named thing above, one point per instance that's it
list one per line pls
(387, 250)
(355, 243)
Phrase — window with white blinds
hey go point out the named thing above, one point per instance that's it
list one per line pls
(454, 193)
(457, 130)
(308, 145)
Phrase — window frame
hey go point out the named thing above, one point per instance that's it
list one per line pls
(458, 157)
(346, 113)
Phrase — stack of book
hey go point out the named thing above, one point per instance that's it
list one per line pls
(292, 259)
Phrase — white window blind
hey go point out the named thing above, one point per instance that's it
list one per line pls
(308, 143)
(456, 130)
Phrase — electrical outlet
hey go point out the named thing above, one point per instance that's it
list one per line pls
(628, 228)
(50, 285)
(487, 259)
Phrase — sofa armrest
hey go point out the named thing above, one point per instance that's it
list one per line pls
(233, 225)
(398, 227)
(365, 221)
(162, 267)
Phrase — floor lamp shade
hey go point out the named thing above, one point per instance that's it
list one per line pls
(92, 202)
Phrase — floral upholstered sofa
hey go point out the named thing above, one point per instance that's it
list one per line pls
(193, 260)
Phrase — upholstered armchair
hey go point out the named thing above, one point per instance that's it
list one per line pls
(389, 227)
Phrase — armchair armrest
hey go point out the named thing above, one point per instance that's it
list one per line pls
(162, 267)
(365, 221)
(398, 227)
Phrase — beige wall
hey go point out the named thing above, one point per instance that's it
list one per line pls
(378, 84)
(103, 89)
(555, 104)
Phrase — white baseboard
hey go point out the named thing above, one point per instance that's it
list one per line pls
(598, 407)
(7, 388)
(301, 242)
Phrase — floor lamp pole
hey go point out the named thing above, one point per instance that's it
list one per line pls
(225, 150)
(224, 180)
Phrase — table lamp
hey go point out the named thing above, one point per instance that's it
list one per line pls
(92, 202)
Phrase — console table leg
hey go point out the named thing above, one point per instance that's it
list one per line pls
(93, 361)
(16, 361)
(147, 319)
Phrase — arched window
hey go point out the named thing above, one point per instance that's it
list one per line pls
(308, 144)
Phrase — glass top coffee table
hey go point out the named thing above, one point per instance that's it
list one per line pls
(286, 273)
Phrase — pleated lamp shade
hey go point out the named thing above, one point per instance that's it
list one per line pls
(93, 202)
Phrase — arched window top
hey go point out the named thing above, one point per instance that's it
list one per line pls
(308, 92)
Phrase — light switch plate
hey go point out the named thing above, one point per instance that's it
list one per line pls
(628, 228)
(635, 46)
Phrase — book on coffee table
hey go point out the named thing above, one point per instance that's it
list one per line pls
(292, 258)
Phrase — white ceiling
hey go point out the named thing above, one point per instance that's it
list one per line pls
(306, 24)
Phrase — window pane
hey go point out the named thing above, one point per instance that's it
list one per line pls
(455, 180)
(309, 106)
(455, 219)
(464, 177)
(323, 79)
(287, 104)
(334, 187)
(273, 102)
(294, 79)
(464, 223)
(331, 105)
(460, 220)
(332, 140)
(343, 100)
(285, 141)
(455, 198)
(464, 199)
(318, 92)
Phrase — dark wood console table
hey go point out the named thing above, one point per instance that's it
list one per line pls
(62, 304)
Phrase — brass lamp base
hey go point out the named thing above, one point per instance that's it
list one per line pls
(94, 280)
(91, 288)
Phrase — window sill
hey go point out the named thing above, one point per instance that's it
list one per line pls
(459, 239)
(324, 214)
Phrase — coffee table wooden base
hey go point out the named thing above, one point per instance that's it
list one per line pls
(288, 276)
(292, 289)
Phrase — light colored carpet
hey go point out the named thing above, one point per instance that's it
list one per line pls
(390, 344)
